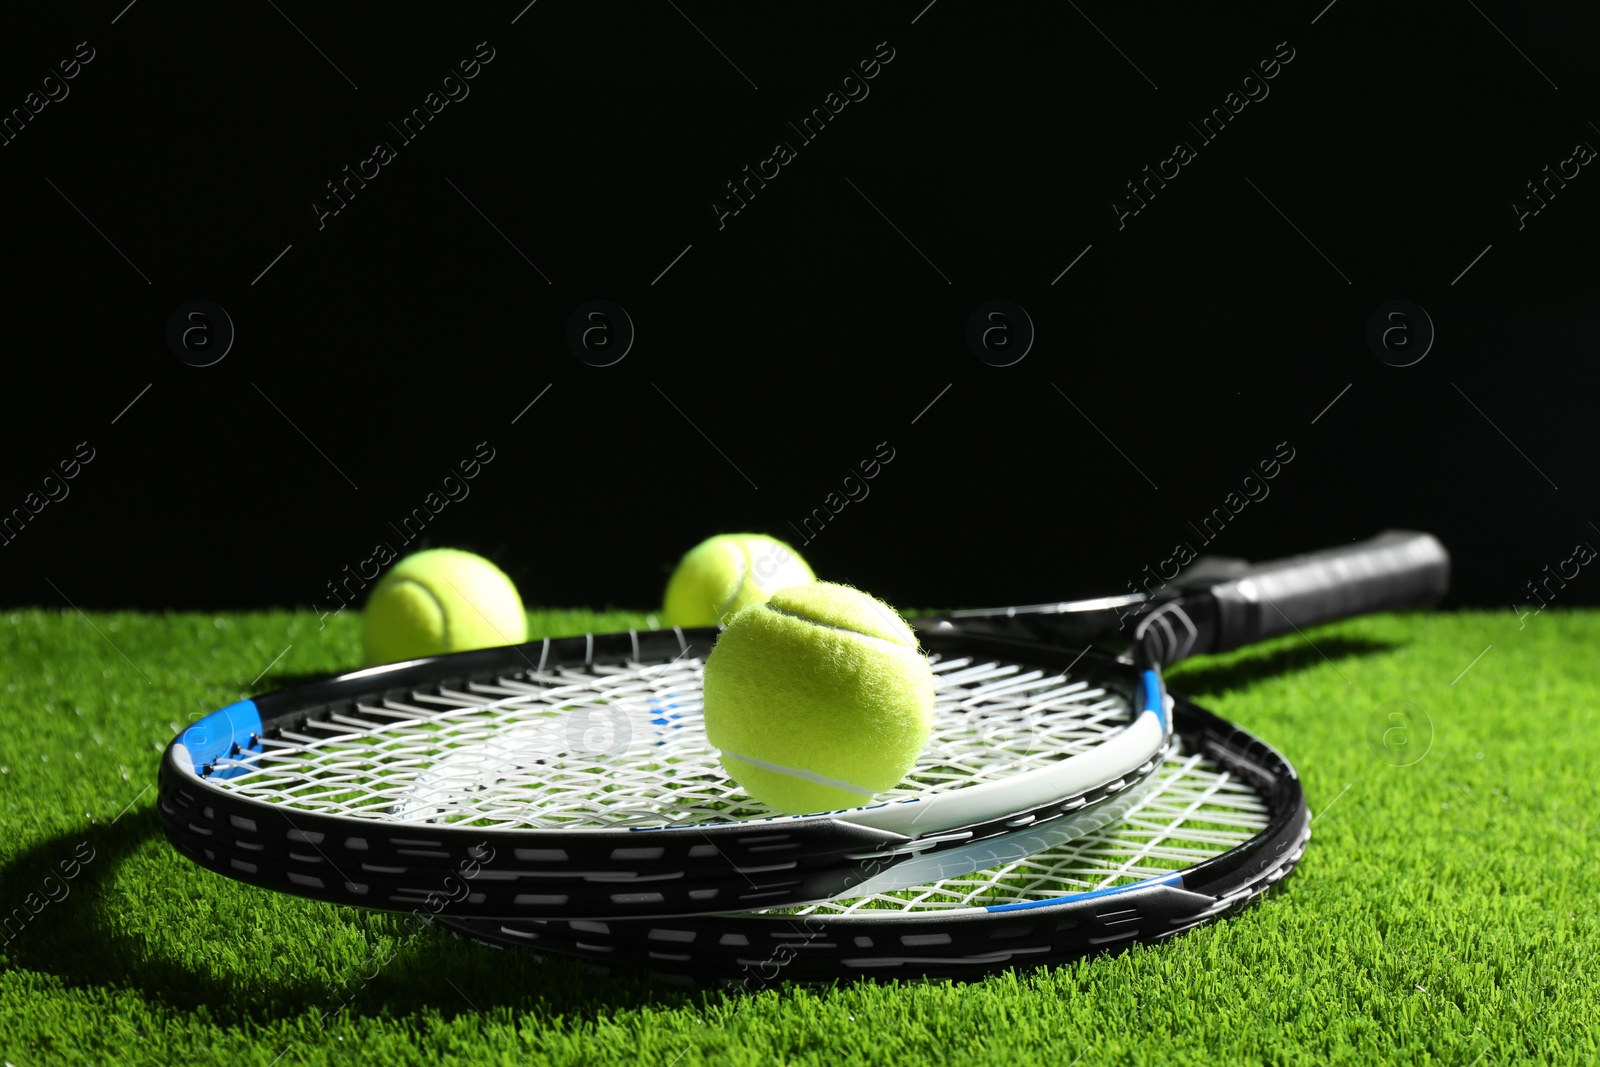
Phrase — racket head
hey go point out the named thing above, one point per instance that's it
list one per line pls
(1175, 863)
(1040, 747)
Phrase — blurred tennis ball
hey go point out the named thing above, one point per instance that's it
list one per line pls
(725, 573)
(818, 699)
(441, 600)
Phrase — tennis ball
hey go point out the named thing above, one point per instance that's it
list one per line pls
(818, 698)
(722, 574)
(441, 600)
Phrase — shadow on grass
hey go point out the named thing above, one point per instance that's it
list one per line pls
(1211, 679)
(60, 926)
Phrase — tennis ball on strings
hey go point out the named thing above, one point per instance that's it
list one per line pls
(818, 699)
(728, 572)
(441, 600)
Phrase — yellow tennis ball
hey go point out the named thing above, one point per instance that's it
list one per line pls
(728, 572)
(441, 600)
(818, 699)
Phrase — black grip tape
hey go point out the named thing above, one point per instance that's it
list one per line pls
(1396, 569)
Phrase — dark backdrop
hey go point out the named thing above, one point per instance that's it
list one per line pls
(777, 348)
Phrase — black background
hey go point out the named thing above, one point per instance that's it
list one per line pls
(779, 350)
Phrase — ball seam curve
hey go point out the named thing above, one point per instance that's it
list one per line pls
(795, 772)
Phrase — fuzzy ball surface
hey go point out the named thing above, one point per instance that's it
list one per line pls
(818, 698)
(728, 572)
(441, 600)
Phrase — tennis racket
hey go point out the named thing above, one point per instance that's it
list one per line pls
(471, 784)
(1225, 823)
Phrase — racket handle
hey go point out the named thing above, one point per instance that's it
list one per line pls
(1396, 569)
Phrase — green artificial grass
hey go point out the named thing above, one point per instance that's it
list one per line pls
(1444, 912)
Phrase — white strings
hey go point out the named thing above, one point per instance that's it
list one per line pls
(625, 746)
(1198, 811)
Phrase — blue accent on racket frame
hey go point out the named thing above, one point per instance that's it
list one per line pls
(1174, 878)
(228, 732)
(1153, 697)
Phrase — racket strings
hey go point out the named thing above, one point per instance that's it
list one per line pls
(624, 745)
(1196, 812)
